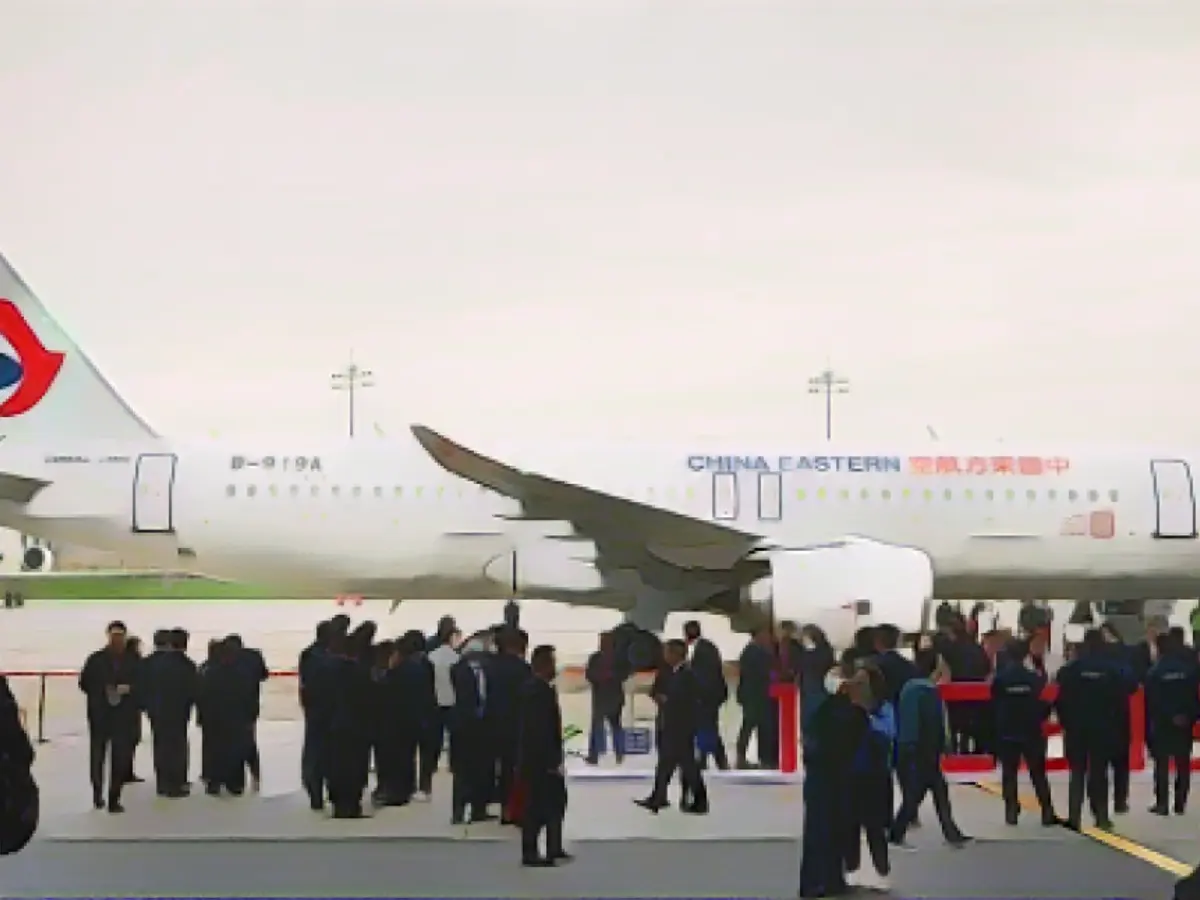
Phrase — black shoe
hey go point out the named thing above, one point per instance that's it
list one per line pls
(134, 779)
(457, 820)
(1104, 824)
(175, 793)
(561, 856)
(695, 809)
(538, 863)
(114, 806)
(97, 801)
(1011, 816)
(1050, 817)
(591, 760)
(476, 818)
(1121, 808)
(349, 814)
(960, 841)
(650, 803)
(1159, 809)
(213, 790)
(1180, 809)
(316, 805)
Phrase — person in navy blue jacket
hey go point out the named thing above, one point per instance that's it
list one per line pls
(1172, 708)
(1020, 715)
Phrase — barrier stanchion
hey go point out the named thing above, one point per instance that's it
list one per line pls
(789, 724)
(41, 713)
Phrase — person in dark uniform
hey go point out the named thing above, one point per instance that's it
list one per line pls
(385, 725)
(169, 693)
(709, 669)
(19, 796)
(754, 697)
(316, 704)
(255, 669)
(472, 753)
(349, 734)
(836, 729)
(207, 739)
(540, 763)
(681, 712)
(413, 693)
(606, 673)
(1090, 688)
(133, 646)
(226, 700)
(1020, 715)
(109, 680)
(1172, 708)
(509, 672)
(1123, 656)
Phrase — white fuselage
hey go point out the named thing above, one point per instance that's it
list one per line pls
(380, 517)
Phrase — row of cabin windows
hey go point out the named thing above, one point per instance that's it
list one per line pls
(398, 492)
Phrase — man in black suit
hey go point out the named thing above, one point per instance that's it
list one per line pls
(540, 763)
(108, 680)
(681, 714)
(709, 669)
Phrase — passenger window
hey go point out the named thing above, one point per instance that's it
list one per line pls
(906, 494)
(928, 494)
(725, 496)
(357, 492)
(885, 494)
(251, 490)
(866, 494)
(337, 491)
(1113, 496)
(1072, 496)
(990, 494)
(1093, 496)
(314, 491)
(948, 494)
(800, 494)
(821, 494)
(1010, 494)
(378, 492)
(969, 494)
(770, 496)
(273, 491)
(230, 490)
(843, 494)
(1051, 495)
(294, 490)
(398, 492)
(1031, 495)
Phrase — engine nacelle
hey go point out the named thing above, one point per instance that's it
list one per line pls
(842, 589)
(37, 559)
(548, 567)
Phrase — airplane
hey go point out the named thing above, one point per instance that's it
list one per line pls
(753, 535)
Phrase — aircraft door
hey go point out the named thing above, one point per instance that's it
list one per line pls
(153, 487)
(725, 496)
(1174, 499)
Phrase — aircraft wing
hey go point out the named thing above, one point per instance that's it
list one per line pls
(619, 527)
(20, 488)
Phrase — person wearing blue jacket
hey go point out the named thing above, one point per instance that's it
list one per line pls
(1172, 708)
(1020, 712)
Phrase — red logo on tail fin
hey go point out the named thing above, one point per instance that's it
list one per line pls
(35, 367)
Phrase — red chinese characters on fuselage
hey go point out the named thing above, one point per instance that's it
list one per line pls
(988, 465)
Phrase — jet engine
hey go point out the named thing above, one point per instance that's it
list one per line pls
(37, 559)
(843, 588)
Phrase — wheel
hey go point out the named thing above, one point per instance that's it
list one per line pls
(641, 648)
(18, 600)
(8, 600)
(512, 614)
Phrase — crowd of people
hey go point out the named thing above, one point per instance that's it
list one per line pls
(872, 722)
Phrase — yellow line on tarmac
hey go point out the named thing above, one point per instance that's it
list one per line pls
(1115, 841)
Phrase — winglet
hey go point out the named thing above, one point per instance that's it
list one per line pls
(458, 460)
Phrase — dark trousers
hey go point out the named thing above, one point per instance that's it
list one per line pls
(349, 769)
(674, 755)
(429, 751)
(1033, 752)
(545, 810)
(506, 764)
(600, 718)
(1089, 777)
(170, 742)
(404, 779)
(439, 734)
(314, 761)
(1119, 761)
(870, 812)
(758, 722)
(116, 741)
(921, 774)
(822, 857)
(227, 756)
(473, 761)
(1179, 751)
(253, 759)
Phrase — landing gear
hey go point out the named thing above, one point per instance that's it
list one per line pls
(13, 599)
(512, 614)
(642, 648)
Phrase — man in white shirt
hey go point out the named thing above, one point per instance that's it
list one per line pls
(442, 659)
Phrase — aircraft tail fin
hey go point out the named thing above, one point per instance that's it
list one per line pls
(48, 386)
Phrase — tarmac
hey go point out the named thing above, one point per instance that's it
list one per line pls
(271, 844)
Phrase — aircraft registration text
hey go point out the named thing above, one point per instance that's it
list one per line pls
(285, 463)
(699, 463)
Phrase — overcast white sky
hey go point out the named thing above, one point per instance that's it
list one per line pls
(613, 216)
